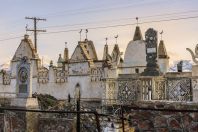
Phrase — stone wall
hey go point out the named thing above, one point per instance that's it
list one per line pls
(141, 115)
(163, 121)
(56, 125)
(14, 121)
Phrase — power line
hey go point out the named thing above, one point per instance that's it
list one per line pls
(10, 38)
(117, 25)
(190, 11)
(129, 24)
(102, 9)
(173, 13)
(90, 8)
(94, 9)
(122, 19)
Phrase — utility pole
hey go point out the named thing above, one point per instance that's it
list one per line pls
(35, 30)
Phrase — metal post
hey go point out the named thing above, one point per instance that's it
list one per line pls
(97, 121)
(77, 97)
(35, 34)
(35, 30)
(122, 112)
(78, 115)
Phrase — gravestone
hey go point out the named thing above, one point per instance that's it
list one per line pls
(24, 98)
(152, 68)
(24, 86)
(24, 78)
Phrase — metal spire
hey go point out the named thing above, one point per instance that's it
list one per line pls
(26, 28)
(161, 33)
(116, 37)
(80, 33)
(106, 40)
(65, 44)
(137, 20)
(86, 31)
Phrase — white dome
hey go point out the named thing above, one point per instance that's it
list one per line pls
(135, 54)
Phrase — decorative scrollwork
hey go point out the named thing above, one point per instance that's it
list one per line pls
(194, 55)
(128, 90)
(23, 75)
(151, 36)
(179, 89)
(24, 59)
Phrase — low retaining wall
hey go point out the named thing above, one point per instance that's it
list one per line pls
(142, 115)
(163, 121)
(56, 125)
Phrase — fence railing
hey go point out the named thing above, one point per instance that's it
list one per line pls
(123, 117)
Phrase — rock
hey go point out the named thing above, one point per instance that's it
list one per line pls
(146, 125)
(195, 117)
(194, 127)
(147, 115)
(187, 119)
(160, 121)
(162, 130)
(174, 124)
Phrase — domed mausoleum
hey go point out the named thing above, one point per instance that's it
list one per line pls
(135, 55)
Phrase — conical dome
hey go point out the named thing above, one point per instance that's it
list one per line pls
(162, 50)
(137, 34)
(135, 54)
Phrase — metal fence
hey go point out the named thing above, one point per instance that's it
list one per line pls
(127, 117)
(119, 118)
(23, 120)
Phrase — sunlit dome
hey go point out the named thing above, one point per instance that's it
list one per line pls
(135, 54)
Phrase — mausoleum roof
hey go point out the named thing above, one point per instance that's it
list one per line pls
(137, 34)
(26, 48)
(162, 50)
(135, 54)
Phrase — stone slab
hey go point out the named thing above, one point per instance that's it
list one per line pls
(25, 102)
(195, 70)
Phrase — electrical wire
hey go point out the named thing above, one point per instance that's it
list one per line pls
(121, 19)
(10, 38)
(128, 24)
(103, 9)
(112, 26)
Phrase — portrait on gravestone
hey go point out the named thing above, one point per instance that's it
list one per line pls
(23, 77)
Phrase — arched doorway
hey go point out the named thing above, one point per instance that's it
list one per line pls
(77, 91)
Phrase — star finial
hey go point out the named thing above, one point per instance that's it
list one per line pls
(116, 37)
(86, 31)
(26, 28)
(137, 20)
(106, 40)
(161, 33)
(80, 33)
(65, 44)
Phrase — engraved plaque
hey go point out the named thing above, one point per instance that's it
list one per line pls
(151, 50)
(23, 88)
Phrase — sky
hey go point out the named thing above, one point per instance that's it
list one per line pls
(65, 18)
